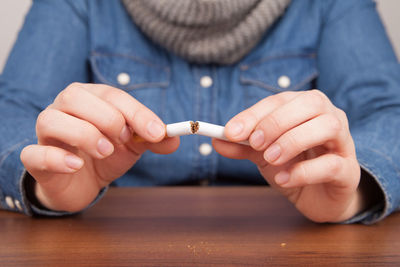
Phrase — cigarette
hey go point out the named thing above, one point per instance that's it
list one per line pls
(194, 127)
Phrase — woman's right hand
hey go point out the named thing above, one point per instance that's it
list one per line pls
(85, 142)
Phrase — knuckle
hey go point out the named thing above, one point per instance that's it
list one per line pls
(281, 98)
(250, 117)
(301, 174)
(334, 165)
(114, 120)
(69, 94)
(342, 116)
(136, 113)
(74, 85)
(319, 94)
(109, 95)
(142, 113)
(290, 140)
(272, 122)
(316, 98)
(287, 94)
(24, 154)
(44, 120)
(335, 125)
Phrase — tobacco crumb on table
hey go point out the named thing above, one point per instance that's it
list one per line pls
(283, 245)
(200, 248)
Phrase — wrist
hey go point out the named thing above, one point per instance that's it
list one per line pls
(30, 185)
(41, 199)
(367, 196)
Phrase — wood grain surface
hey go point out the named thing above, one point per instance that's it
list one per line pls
(194, 226)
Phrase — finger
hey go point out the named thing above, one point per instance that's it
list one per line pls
(41, 160)
(53, 124)
(237, 151)
(141, 120)
(303, 107)
(327, 168)
(240, 127)
(166, 146)
(323, 130)
(80, 103)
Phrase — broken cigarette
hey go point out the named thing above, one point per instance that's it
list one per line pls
(180, 128)
(195, 127)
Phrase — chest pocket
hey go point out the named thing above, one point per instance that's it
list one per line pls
(276, 74)
(145, 81)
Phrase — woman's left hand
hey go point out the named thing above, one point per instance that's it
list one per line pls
(302, 146)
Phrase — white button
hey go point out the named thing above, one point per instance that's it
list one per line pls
(206, 81)
(10, 202)
(123, 78)
(18, 205)
(284, 81)
(205, 149)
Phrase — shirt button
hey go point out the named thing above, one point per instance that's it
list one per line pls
(284, 81)
(205, 149)
(10, 202)
(206, 81)
(18, 205)
(123, 78)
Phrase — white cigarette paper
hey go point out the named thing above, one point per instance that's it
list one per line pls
(211, 130)
(200, 128)
(214, 131)
(179, 128)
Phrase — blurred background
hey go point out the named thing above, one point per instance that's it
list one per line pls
(12, 14)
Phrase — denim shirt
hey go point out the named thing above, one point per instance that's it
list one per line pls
(336, 46)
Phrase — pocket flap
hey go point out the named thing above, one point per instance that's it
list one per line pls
(128, 72)
(280, 73)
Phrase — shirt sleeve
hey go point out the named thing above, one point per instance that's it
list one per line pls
(51, 52)
(359, 71)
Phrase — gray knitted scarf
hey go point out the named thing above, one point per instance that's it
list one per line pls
(206, 31)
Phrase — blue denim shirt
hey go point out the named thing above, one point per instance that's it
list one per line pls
(336, 46)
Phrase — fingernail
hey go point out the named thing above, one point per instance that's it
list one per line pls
(257, 138)
(282, 178)
(73, 162)
(272, 153)
(155, 129)
(235, 128)
(125, 135)
(104, 147)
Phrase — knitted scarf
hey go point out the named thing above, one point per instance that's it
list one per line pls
(206, 31)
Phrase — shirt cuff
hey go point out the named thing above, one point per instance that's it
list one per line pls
(37, 209)
(386, 176)
(16, 185)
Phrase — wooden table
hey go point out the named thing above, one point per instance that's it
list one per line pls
(184, 226)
